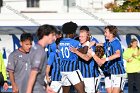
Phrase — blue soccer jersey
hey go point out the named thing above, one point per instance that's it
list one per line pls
(115, 66)
(54, 62)
(51, 48)
(88, 68)
(68, 59)
(93, 39)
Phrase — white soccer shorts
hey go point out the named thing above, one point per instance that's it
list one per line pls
(71, 78)
(56, 86)
(115, 81)
(89, 85)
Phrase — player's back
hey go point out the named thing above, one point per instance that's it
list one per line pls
(68, 59)
(65, 52)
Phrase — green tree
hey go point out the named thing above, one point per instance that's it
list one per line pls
(127, 6)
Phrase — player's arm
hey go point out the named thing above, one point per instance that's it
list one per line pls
(82, 55)
(10, 69)
(31, 81)
(103, 60)
(50, 60)
(36, 66)
(12, 79)
(48, 67)
(114, 56)
(83, 50)
(117, 48)
(98, 60)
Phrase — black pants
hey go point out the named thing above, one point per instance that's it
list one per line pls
(133, 82)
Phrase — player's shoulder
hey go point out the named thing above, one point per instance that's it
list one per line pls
(76, 41)
(52, 53)
(94, 39)
(116, 41)
(14, 52)
(36, 47)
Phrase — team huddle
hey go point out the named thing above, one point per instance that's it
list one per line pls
(64, 59)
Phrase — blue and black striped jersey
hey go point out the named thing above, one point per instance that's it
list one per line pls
(68, 59)
(115, 66)
(54, 62)
(88, 68)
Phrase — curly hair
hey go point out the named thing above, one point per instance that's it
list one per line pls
(69, 28)
(99, 51)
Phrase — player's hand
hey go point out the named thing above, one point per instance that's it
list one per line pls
(92, 43)
(103, 60)
(90, 51)
(15, 88)
(72, 49)
(5, 86)
(48, 79)
(49, 90)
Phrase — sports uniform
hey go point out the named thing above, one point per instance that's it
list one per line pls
(18, 62)
(54, 62)
(38, 58)
(69, 62)
(114, 67)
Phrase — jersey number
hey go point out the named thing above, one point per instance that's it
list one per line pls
(65, 52)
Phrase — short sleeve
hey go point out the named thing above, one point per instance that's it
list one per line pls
(116, 45)
(11, 62)
(78, 44)
(94, 39)
(37, 60)
(51, 58)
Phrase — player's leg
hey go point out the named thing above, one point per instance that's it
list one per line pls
(89, 85)
(80, 87)
(97, 82)
(108, 84)
(77, 80)
(65, 82)
(116, 83)
(66, 89)
(56, 86)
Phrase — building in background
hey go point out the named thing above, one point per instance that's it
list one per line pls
(57, 12)
(55, 5)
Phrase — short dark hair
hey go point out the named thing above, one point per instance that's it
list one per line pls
(84, 28)
(112, 29)
(69, 28)
(59, 33)
(45, 30)
(26, 36)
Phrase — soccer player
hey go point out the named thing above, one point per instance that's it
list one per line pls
(113, 62)
(88, 67)
(18, 64)
(46, 35)
(71, 74)
(53, 75)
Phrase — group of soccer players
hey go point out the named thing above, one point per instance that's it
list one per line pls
(77, 61)
(66, 60)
